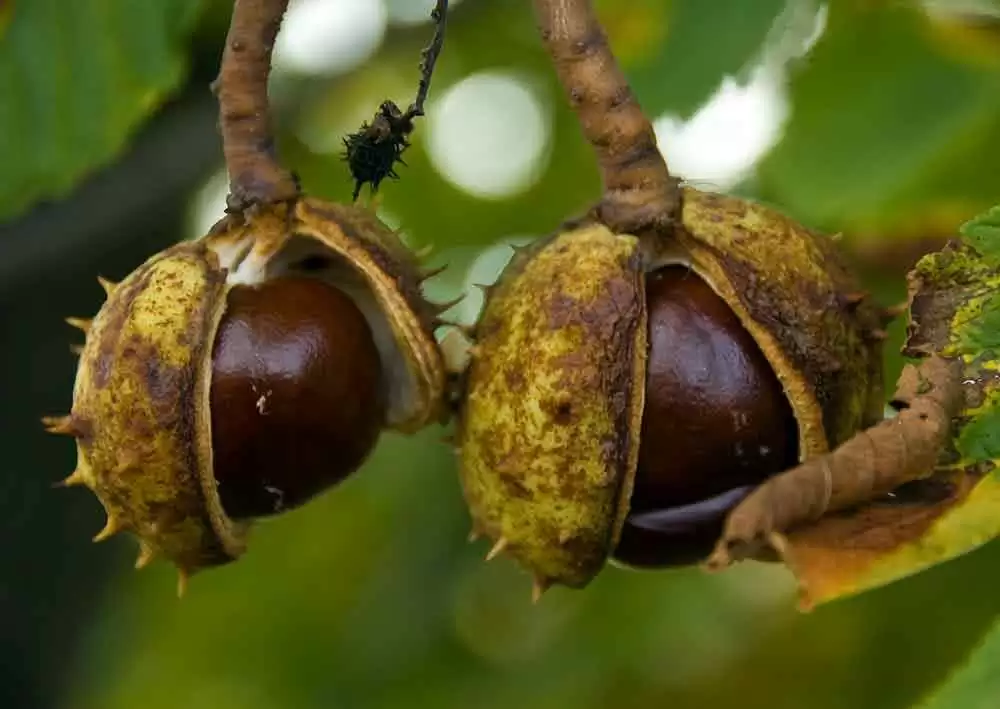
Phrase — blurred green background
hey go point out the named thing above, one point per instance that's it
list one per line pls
(876, 120)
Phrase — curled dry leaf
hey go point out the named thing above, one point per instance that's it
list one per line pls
(947, 508)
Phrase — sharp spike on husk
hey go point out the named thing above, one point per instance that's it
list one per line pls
(62, 425)
(854, 299)
(74, 479)
(80, 323)
(497, 550)
(424, 252)
(887, 315)
(111, 528)
(107, 285)
(474, 535)
(183, 577)
(538, 588)
(76, 350)
(146, 555)
(448, 304)
(432, 272)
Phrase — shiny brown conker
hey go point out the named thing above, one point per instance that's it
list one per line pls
(716, 423)
(296, 397)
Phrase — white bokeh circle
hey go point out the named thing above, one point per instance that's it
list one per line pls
(489, 134)
(327, 37)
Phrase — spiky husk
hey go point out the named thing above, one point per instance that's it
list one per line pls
(564, 330)
(140, 410)
(793, 292)
(548, 429)
(373, 266)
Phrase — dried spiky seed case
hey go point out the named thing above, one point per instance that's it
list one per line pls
(140, 411)
(554, 391)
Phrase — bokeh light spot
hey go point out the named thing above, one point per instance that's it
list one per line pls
(489, 135)
(326, 37)
(726, 137)
(721, 143)
(209, 204)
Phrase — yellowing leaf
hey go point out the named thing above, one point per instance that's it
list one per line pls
(954, 312)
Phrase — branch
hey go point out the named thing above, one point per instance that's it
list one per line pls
(373, 151)
(429, 58)
(872, 463)
(639, 192)
(255, 177)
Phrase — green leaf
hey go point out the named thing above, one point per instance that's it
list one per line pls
(983, 233)
(977, 684)
(77, 79)
(676, 54)
(980, 439)
(983, 333)
(889, 128)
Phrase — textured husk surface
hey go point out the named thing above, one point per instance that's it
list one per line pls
(548, 431)
(140, 409)
(390, 271)
(794, 294)
(953, 313)
(141, 400)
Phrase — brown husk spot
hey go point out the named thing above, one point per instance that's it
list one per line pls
(799, 301)
(946, 495)
(540, 485)
(549, 427)
(140, 410)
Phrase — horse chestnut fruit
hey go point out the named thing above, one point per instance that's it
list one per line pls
(625, 391)
(240, 374)
(296, 397)
(708, 384)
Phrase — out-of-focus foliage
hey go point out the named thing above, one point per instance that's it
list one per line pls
(370, 597)
(977, 684)
(76, 80)
(678, 45)
(895, 115)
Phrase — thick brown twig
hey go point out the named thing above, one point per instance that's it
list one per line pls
(255, 176)
(639, 192)
(872, 463)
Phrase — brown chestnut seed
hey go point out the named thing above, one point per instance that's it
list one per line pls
(716, 423)
(562, 385)
(239, 374)
(295, 391)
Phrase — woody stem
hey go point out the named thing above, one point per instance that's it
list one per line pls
(255, 176)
